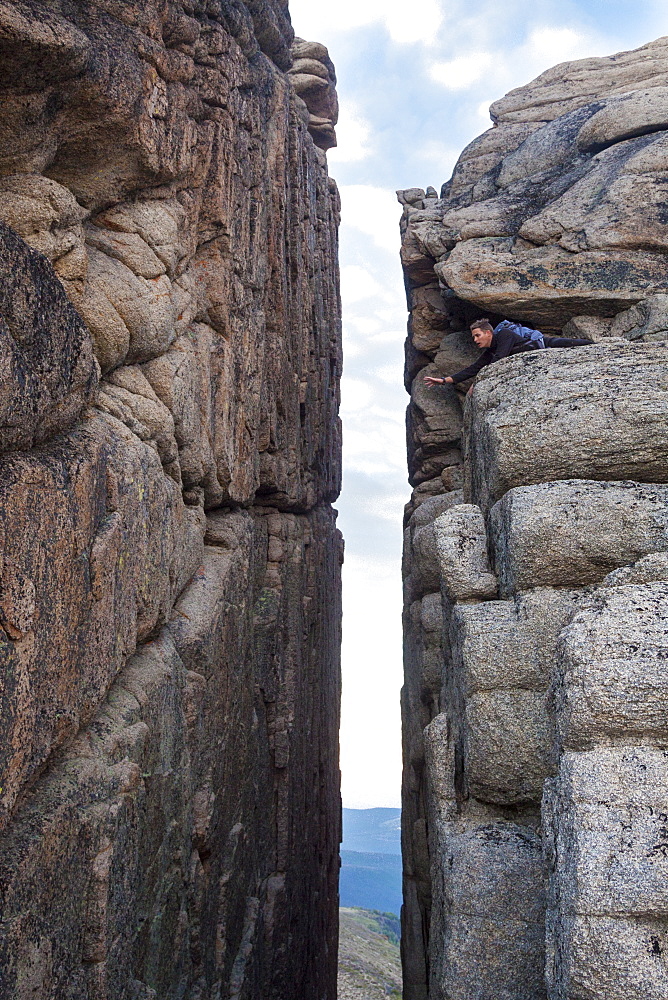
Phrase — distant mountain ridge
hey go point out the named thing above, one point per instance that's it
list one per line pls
(371, 881)
(371, 859)
(372, 831)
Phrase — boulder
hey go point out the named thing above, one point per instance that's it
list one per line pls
(485, 153)
(504, 645)
(570, 85)
(546, 286)
(563, 414)
(572, 533)
(461, 549)
(490, 877)
(646, 570)
(637, 113)
(610, 676)
(433, 427)
(605, 829)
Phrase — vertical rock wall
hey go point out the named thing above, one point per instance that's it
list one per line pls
(169, 451)
(536, 555)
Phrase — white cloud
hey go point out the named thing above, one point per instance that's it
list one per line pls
(373, 211)
(357, 284)
(353, 135)
(464, 71)
(547, 46)
(367, 326)
(543, 47)
(434, 161)
(316, 20)
(390, 508)
(371, 751)
(375, 446)
(482, 111)
(355, 395)
(390, 373)
(389, 337)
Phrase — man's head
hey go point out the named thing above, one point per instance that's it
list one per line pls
(482, 332)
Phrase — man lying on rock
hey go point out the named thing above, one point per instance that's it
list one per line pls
(500, 341)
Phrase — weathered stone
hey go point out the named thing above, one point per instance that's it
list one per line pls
(605, 823)
(430, 507)
(47, 369)
(550, 146)
(429, 318)
(198, 728)
(111, 547)
(423, 243)
(169, 709)
(48, 218)
(485, 153)
(425, 573)
(461, 547)
(489, 879)
(412, 196)
(646, 321)
(594, 328)
(501, 658)
(571, 85)
(637, 113)
(627, 217)
(421, 567)
(314, 79)
(574, 532)
(521, 422)
(556, 218)
(646, 570)
(548, 285)
(502, 645)
(611, 668)
(433, 427)
(455, 352)
(507, 746)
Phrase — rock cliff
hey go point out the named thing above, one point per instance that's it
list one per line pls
(169, 452)
(536, 553)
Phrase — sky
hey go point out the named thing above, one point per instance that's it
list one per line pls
(415, 81)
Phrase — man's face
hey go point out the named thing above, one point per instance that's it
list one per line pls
(482, 338)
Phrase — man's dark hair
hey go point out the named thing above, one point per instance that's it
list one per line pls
(481, 324)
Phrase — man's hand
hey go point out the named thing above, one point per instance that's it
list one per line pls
(429, 380)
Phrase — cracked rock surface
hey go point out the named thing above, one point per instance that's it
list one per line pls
(169, 450)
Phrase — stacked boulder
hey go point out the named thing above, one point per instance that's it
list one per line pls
(536, 556)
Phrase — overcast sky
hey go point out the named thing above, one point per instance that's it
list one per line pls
(415, 80)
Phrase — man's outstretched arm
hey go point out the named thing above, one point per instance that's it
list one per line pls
(466, 373)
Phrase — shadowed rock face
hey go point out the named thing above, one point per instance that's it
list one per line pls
(535, 558)
(169, 450)
(48, 372)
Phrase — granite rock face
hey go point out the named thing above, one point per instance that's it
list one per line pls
(170, 449)
(536, 553)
